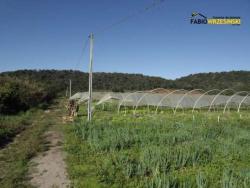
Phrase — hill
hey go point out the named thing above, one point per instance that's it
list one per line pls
(237, 80)
(58, 80)
(25, 89)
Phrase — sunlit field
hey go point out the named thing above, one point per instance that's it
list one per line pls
(146, 149)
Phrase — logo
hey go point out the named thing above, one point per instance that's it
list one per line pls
(198, 18)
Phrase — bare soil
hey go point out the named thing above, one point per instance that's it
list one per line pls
(49, 169)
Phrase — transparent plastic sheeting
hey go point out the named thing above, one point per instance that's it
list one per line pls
(168, 99)
(83, 96)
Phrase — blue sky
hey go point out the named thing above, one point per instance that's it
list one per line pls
(50, 34)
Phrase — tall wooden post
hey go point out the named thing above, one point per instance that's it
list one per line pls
(69, 88)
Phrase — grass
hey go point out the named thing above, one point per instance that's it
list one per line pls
(10, 126)
(160, 150)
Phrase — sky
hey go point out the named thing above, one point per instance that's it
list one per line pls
(51, 34)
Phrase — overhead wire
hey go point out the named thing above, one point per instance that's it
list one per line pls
(152, 5)
(82, 53)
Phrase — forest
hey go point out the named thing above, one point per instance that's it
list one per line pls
(24, 89)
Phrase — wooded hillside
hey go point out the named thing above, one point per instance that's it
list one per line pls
(23, 89)
(59, 79)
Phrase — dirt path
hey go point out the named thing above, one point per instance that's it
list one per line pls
(49, 169)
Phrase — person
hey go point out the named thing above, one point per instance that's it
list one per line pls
(70, 107)
(76, 109)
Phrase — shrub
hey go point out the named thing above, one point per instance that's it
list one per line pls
(20, 95)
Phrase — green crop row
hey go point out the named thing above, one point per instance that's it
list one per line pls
(161, 150)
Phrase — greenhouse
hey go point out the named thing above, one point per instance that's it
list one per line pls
(173, 99)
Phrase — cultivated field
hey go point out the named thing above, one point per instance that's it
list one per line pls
(163, 150)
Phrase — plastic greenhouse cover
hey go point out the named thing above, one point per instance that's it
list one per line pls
(172, 100)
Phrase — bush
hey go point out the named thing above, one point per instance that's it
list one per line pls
(19, 95)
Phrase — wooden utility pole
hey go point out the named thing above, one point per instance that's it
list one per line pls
(70, 88)
(90, 76)
(66, 92)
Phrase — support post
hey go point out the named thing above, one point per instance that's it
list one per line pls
(70, 88)
(90, 77)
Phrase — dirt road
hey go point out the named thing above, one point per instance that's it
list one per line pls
(49, 169)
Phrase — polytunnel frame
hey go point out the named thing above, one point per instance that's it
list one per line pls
(216, 96)
(238, 110)
(164, 97)
(103, 103)
(230, 98)
(183, 97)
(147, 93)
(119, 106)
(196, 102)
